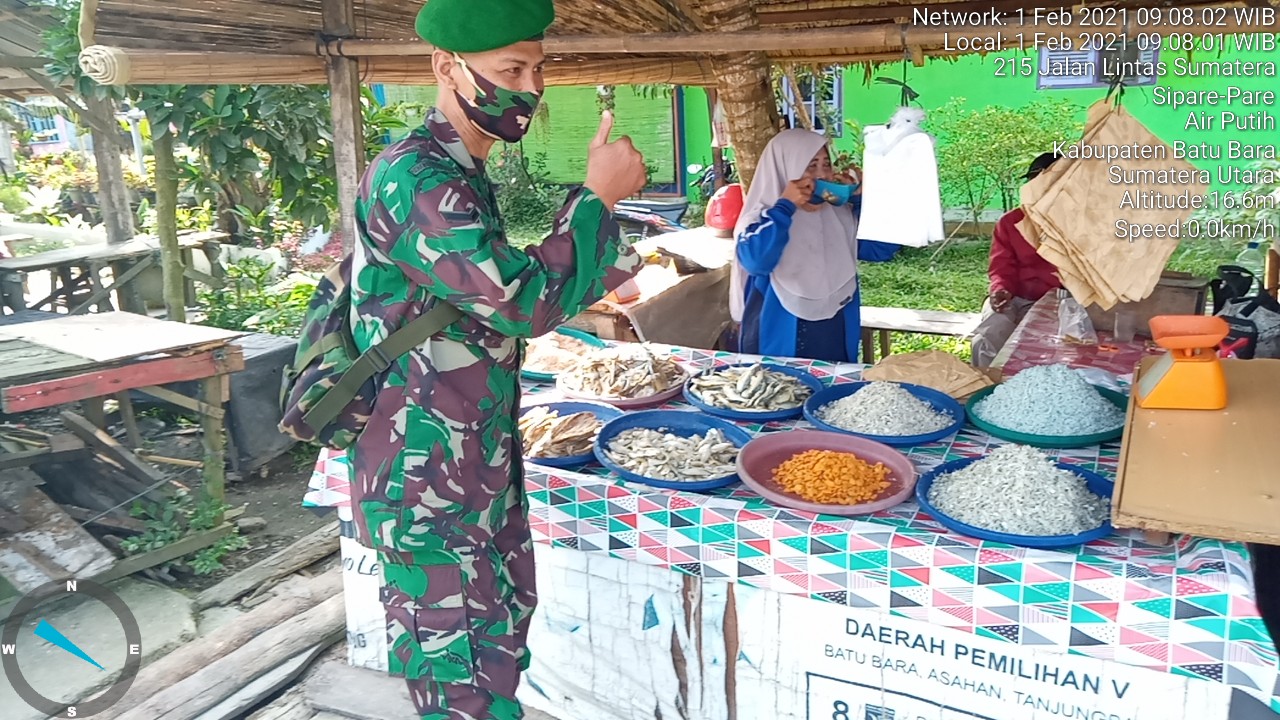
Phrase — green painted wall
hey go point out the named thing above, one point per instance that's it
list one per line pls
(973, 78)
(572, 119)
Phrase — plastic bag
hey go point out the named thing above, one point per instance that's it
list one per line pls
(1256, 320)
(1074, 325)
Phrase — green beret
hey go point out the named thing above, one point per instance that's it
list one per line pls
(473, 26)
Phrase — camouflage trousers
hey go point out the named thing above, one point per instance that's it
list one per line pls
(458, 621)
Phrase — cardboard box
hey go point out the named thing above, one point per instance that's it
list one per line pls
(1176, 294)
(1211, 473)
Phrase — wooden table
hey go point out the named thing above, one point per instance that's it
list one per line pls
(77, 273)
(676, 306)
(885, 320)
(1035, 342)
(55, 361)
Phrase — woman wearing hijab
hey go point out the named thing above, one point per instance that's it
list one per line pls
(795, 282)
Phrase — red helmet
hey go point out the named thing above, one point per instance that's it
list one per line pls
(724, 207)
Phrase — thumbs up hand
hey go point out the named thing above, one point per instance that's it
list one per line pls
(615, 170)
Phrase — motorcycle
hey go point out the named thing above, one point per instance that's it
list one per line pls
(644, 218)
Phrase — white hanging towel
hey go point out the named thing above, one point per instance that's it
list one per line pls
(901, 202)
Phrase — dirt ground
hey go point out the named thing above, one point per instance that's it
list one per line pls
(273, 494)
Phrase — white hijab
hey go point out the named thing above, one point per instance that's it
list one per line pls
(818, 272)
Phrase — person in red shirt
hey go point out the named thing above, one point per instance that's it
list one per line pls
(1019, 277)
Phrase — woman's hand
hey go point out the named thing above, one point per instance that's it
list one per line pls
(852, 176)
(800, 193)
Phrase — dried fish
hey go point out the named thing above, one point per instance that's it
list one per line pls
(665, 456)
(554, 353)
(547, 434)
(750, 389)
(624, 372)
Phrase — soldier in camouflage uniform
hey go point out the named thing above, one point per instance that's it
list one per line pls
(437, 483)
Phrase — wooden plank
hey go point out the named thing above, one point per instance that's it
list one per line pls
(263, 686)
(1208, 473)
(183, 401)
(113, 450)
(130, 419)
(53, 547)
(168, 553)
(310, 549)
(358, 693)
(292, 705)
(928, 322)
(102, 293)
(115, 336)
(190, 695)
(30, 457)
(108, 381)
(204, 651)
(19, 358)
(90, 517)
(205, 279)
(107, 253)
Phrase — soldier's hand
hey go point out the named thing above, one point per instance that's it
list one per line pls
(615, 170)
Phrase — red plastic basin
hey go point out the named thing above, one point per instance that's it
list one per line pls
(762, 455)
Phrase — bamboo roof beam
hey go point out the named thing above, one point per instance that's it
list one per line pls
(880, 36)
(117, 66)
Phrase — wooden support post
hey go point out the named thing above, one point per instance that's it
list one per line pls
(13, 287)
(95, 413)
(885, 344)
(348, 117)
(130, 420)
(744, 86)
(215, 444)
(188, 282)
(128, 297)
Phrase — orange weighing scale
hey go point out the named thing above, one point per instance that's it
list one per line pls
(1189, 376)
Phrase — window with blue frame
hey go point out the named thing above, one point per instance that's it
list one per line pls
(1062, 69)
(43, 125)
(822, 97)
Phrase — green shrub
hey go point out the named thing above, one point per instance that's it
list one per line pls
(250, 303)
(983, 154)
(526, 196)
(11, 200)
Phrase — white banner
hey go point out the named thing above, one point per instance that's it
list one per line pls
(855, 664)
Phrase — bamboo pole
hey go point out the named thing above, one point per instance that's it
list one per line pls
(869, 36)
(117, 66)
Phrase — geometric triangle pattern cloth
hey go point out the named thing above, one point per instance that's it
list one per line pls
(1187, 608)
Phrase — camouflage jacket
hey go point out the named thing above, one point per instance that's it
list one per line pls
(438, 465)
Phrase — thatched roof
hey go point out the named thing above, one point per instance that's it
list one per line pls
(20, 45)
(593, 41)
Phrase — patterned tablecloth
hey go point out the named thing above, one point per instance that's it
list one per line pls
(1187, 608)
(1035, 342)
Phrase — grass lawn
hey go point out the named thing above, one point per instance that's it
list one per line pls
(955, 279)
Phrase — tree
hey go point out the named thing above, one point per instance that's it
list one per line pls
(982, 154)
(95, 110)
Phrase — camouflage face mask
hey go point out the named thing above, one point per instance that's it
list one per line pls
(496, 111)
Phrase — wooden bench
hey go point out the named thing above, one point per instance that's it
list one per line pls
(882, 321)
